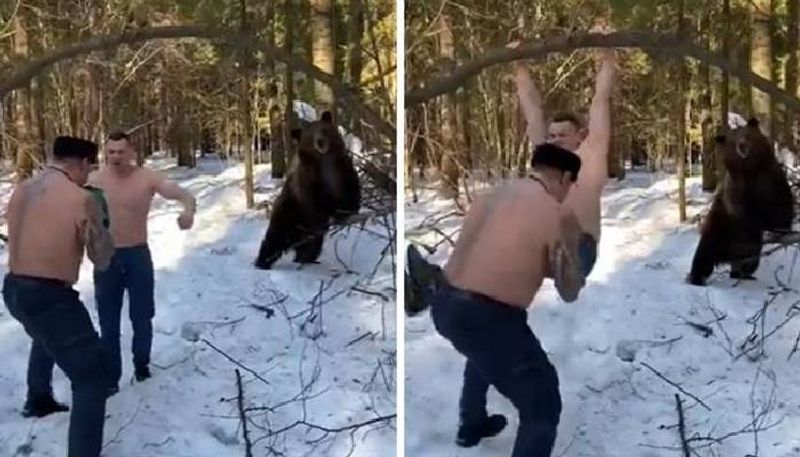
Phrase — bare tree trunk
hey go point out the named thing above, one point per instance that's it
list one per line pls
(616, 157)
(246, 113)
(709, 181)
(281, 156)
(450, 163)
(181, 143)
(761, 60)
(22, 125)
(681, 120)
(322, 47)
(793, 45)
(726, 85)
(356, 31)
(355, 59)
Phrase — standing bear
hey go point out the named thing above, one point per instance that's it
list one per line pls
(753, 197)
(321, 185)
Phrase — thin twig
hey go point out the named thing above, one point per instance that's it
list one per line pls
(234, 361)
(657, 373)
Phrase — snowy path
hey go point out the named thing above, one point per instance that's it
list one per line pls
(635, 302)
(205, 286)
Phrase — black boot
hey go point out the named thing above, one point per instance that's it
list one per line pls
(142, 373)
(42, 407)
(421, 280)
(470, 435)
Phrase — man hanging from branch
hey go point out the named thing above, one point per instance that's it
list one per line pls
(482, 310)
(567, 131)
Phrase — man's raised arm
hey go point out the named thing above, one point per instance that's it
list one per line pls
(530, 101)
(600, 111)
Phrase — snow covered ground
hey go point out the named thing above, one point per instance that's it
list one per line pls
(326, 358)
(636, 307)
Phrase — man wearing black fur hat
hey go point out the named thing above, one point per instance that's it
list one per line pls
(51, 220)
(510, 241)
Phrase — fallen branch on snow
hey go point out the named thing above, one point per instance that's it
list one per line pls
(248, 447)
(677, 386)
(682, 427)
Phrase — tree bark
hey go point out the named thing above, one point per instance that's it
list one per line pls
(22, 121)
(725, 90)
(322, 46)
(281, 157)
(681, 120)
(709, 181)
(246, 111)
(761, 60)
(356, 31)
(793, 46)
(449, 166)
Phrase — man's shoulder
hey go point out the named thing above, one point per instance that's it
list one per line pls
(151, 175)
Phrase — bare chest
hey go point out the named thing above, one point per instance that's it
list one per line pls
(132, 195)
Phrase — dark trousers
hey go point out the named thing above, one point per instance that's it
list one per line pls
(131, 269)
(502, 351)
(52, 314)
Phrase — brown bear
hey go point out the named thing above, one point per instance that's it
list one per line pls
(322, 185)
(753, 197)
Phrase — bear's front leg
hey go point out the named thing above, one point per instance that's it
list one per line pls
(705, 258)
(748, 255)
(280, 236)
(309, 251)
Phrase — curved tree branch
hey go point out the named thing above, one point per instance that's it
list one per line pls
(662, 43)
(231, 37)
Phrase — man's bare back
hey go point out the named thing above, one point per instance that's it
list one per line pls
(503, 248)
(47, 218)
(129, 197)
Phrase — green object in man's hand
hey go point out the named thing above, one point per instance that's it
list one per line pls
(100, 196)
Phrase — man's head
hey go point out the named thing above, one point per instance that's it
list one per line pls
(559, 166)
(78, 157)
(565, 130)
(119, 150)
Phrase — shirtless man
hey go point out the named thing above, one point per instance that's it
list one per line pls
(129, 190)
(517, 235)
(565, 130)
(51, 219)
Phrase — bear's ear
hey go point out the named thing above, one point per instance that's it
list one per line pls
(296, 134)
(327, 117)
(753, 122)
(719, 139)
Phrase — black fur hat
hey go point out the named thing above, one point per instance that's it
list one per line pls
(67, 146)
(550, 155)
